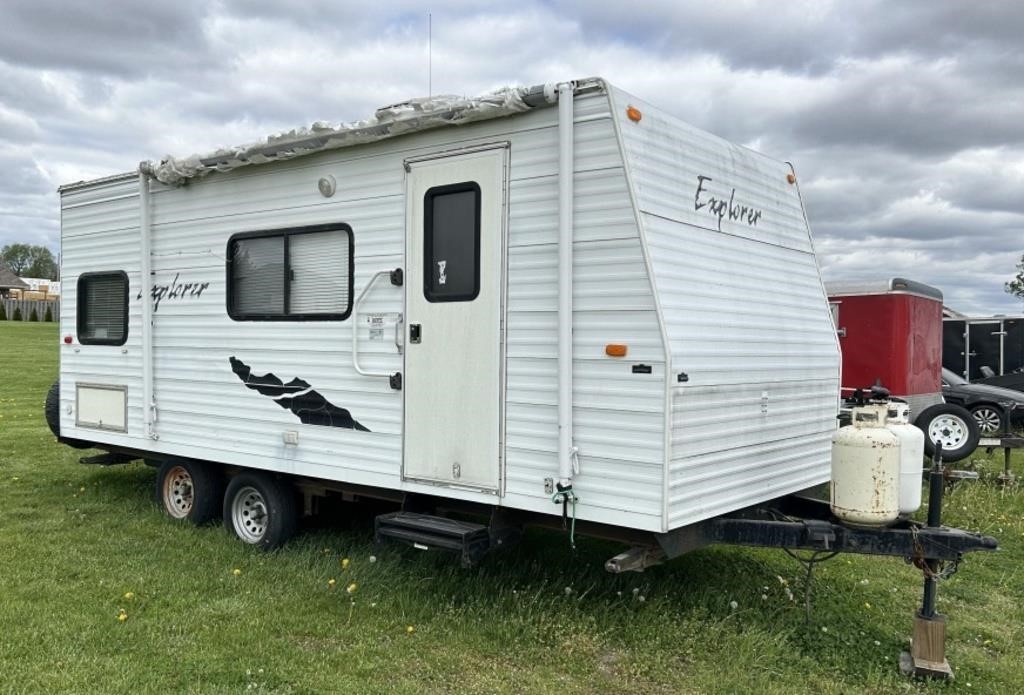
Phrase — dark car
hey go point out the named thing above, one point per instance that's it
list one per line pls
(990, 405)
(1012, 380)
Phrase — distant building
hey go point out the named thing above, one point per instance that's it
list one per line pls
(9, 282)
(49, 289)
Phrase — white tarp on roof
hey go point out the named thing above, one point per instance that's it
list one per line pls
(389, 121)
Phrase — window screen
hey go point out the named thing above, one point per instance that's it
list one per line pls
(103, 308)
(451, 231)
(291, 275)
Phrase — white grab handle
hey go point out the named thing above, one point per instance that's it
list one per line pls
(355, 327)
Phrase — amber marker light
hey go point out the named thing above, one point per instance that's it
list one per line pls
(615, 350)
(791, 178)
(633, 113)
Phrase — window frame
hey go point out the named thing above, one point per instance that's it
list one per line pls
(284, 233)
(80, 304)
(428, 239)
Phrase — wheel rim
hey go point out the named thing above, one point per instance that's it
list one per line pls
(948, 430)
(989, 421)
(178, 492)
(249, 514)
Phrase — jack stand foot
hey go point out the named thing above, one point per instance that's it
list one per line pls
(1005, 479)
(927, 655)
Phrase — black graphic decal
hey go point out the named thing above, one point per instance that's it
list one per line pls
(310, 406)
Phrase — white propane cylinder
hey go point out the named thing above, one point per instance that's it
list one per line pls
(866, 469)
(911, 456)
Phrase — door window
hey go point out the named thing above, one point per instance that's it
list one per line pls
(451, 229)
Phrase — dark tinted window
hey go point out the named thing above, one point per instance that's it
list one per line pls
(103, 308)
(452, 243)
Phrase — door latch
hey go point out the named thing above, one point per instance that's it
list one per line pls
(414, 332)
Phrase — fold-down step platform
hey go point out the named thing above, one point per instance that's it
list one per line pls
(471, 541)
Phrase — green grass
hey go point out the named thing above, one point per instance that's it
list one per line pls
(74, 540)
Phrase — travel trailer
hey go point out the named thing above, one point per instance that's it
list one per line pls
(544, 303)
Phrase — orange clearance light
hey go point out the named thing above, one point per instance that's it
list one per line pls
(633, 113)
(791, 178)
(614, 350)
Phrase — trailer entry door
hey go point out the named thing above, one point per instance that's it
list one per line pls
(455, 212)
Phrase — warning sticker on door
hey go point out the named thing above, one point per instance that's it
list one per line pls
(378, 322)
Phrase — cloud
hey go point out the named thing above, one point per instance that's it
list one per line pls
(905, 120)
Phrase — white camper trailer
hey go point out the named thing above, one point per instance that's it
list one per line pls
(557, 293)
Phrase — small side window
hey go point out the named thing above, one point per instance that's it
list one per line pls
(451, 240)
(103, 308)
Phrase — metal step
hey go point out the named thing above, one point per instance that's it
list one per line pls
(425, 532)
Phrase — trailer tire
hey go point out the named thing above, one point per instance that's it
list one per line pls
(51, 409)
(189, 490)
(954, 426)
(260, 509)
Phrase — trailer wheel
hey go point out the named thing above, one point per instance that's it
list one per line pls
(189, 490)
(52, 411)
(260, 509)
(952, 425)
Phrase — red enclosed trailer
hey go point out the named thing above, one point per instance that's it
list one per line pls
(890, 332)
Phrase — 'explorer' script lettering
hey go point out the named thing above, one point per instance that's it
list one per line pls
(175, 290)
(721, 208)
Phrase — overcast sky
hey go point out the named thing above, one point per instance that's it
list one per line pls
(905, 120)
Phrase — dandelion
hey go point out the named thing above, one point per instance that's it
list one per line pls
(824, 629)
(351, 588)
(619, 594)
(636, 591)
(122, 615)
(81, 489)
(733, 605)
(409, 630)
(642, 598)
(331, 583)
(568, 591)
(373, 605)
(373, 559)
(864, 582)
(237, 572)
(867, 605)
(877, 643)
(344, 563)
(129, 595)
(764, 597)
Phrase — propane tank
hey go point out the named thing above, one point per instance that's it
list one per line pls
(911, 456)
(866, 469)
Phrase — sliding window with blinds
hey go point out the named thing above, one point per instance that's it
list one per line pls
(102, 308)
(300, 274)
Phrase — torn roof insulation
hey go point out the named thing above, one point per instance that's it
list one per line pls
(414, 115)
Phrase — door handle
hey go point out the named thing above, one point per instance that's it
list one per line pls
(414, 333)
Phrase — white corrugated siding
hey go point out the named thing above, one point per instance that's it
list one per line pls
(100, 232)
(206, 412)
(746, 317)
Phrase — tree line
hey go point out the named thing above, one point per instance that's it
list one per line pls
(30, 261)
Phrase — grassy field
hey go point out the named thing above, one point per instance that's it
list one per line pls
(81, 546)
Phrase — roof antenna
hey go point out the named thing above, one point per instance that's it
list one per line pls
(430, 65)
